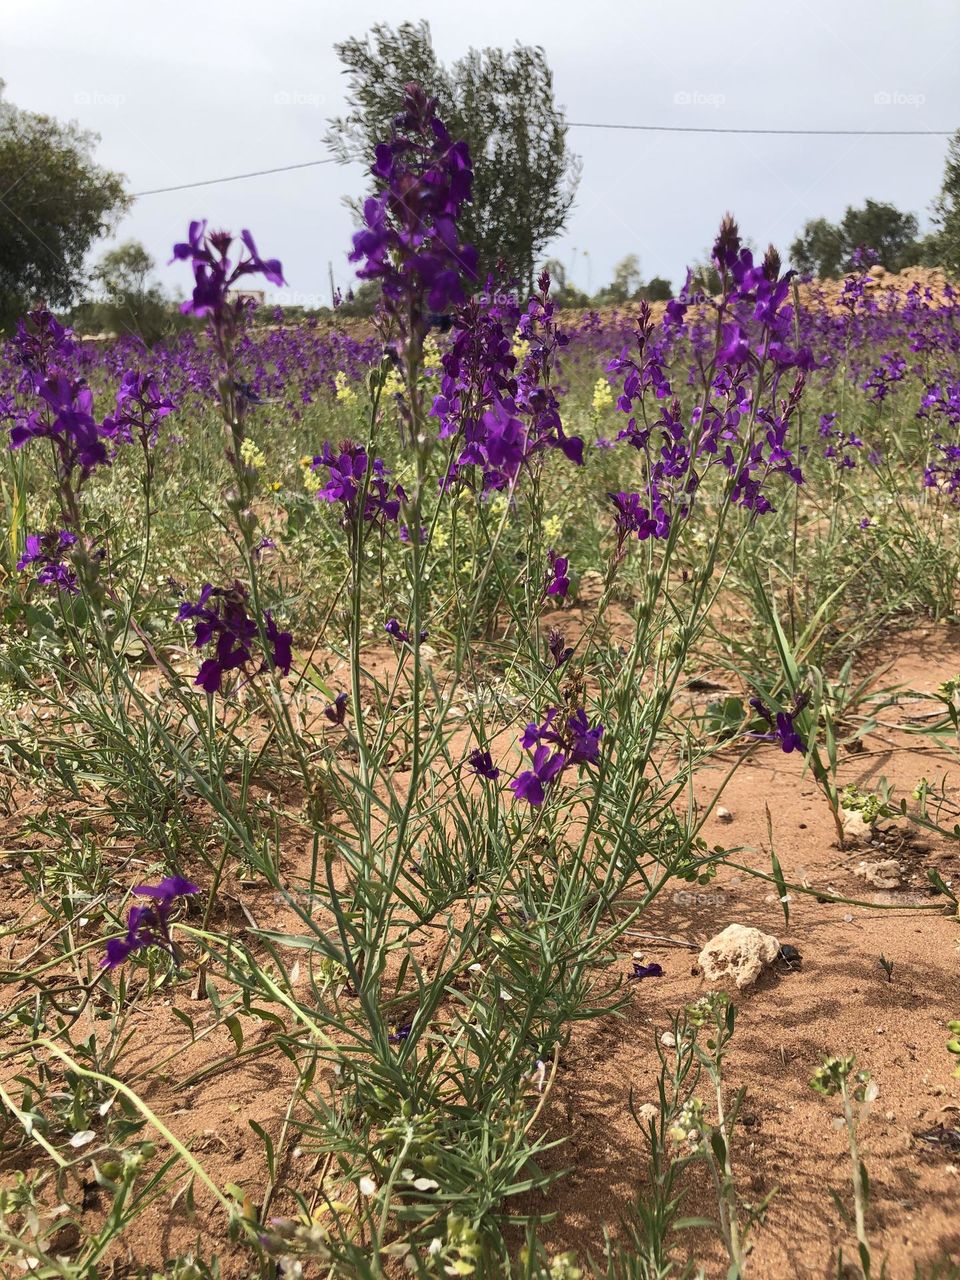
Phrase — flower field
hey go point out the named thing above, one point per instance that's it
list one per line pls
(391, 714)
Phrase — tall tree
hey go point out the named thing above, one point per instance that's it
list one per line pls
(946, 210)
(55, 201)
(501, 102)
(825, 248)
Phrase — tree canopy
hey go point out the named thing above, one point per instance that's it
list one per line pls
(502, 103)
(826, 249)
(55, 201)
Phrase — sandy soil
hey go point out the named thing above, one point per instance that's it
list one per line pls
(836, 1000)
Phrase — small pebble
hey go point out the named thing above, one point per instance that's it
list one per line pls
(723, 815)
(668, 1040)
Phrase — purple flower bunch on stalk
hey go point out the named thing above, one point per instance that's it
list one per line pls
(48, 553)
(149, 926)
(506, 416)
(838, 442)
(141, 407)
(346, 471)
(555, 746)
(409, 241)
(743, 420)
(215, 273)
(60, 408)
(782, 727)
(221, 618)
(65, 416)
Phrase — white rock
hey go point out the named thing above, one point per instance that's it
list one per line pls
(740, 952)
(723, 815)
(881, 875)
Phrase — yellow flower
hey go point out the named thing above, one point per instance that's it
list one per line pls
(552, 529)
(345, 393)
(392, 384)
(602, 396)
(252, 455)
(521, 349)
(431, 352)
(440, 538)
(311, 478)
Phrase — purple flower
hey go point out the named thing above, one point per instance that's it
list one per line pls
(530, 784)
(140, 409)
(220, 617)
(558, 584)
(558, 648)
(641, 971)
(336, 712)
(394, 629)
(346, 470)
(148, 926)
(782, 727)
(583, 739)
(215, 273)
(481, 762)
(48, 552)
(66, 417)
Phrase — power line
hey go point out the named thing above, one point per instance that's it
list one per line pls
(593, 124)
(810, 133)
(233, 177)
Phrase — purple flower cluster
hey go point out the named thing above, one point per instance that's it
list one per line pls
(215, 273)
(741, 422)
(47, 553)
(346, 470)
(838, 442)
(141, 407)
(576, 741)
(149, 926)
(221, 618)
(58, 404)
(409, 241)
(504, 416)
(65, 416)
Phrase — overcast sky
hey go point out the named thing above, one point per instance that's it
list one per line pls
(184, 90)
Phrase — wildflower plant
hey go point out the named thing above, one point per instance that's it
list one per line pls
(392, 714)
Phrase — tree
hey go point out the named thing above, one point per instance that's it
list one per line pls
(132, 303)
(55, 201)
(946, 210)
(657, 289)
(882, 227)
(625, 284)
(501, 102)
(818, 250)
(826, 249)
